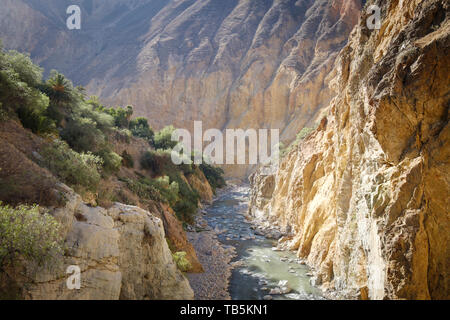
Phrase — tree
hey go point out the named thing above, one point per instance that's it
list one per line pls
(59, 89)
(62, 96)
(19, 79)
(139, 127)
(122, 116)
(163, 139)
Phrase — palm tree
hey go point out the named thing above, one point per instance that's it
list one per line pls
(60, 89)
(61, 94)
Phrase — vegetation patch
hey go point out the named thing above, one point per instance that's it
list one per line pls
(73, 168)
(82, 130)
(182, 263)
(127, 159)
(27, 233)
(214, 175)
(302, 135)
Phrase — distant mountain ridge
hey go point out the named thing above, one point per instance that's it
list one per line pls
(236, 64)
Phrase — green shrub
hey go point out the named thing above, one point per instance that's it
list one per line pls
(75, 169)
(187, 204)
(144, 190)
(82, 135)
(19, 79)
(182, 263)
(86, 129)
(185, 210)
(111, 161)
(159, 162)
(26, 233)
(103, 121)
(19, 92)
(168, 190)
(121, 116)
(163, 139)
(305, 132)
(123, 135)
(127, 159)
(36, 121)
(140, 128)
(214, 175)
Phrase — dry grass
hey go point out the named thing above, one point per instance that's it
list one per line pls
(22, 181)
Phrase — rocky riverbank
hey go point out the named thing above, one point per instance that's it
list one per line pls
(215, 258)
(240, 259)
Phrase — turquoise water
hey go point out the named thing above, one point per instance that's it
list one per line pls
(261, 268)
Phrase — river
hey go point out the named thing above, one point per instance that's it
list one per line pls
(259, 269)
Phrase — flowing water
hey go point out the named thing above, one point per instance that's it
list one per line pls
(261, 268)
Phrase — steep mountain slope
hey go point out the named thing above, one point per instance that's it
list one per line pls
(366, 196)
(240, 63)
(122, 251)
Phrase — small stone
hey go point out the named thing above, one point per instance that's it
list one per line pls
(282, 283)
(285, 290)
(275, 291)
(268, 297)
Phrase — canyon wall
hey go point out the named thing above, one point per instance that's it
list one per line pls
(122, 253)
(365, 198)
(121, 250)
(231, 64)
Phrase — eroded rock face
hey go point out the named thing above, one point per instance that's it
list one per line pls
(178, 239)
(231, 64)
(198, 181)
(367, 194)
(263, 185)
(122, 254)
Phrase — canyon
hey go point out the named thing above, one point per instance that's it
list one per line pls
(359, 208)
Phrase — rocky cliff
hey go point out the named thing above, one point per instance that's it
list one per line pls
(122, 253)
(365, 198)
(121, 250)
(231, 64)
